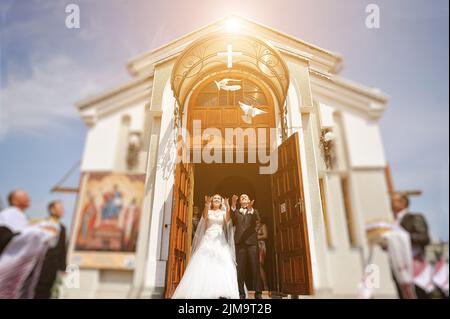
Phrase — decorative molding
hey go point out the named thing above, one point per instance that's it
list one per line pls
(374, 94)
(323, 59)
(324, 89)
(155, 113)
(115, 92)
(133, 150)
(328, 147)
(203, 57)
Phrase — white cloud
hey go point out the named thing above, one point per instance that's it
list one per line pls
(41, 102)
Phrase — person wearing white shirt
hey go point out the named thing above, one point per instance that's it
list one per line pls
(14, 217)
(416, 226)
(23, 247)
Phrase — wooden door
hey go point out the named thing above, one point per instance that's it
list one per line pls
(291, 234)
(181, 226)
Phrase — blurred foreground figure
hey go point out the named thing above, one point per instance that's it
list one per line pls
(416, 226)
(440, 277)
(55, 259)
(22, 248)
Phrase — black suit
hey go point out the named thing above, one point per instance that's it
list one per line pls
(247, 250)
(55, 260)
(416, 226)
(5, 237)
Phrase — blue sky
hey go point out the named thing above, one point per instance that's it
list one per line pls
(46, 68)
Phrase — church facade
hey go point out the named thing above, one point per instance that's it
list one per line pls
(234, 107)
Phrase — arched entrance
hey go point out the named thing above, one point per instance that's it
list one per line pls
(210, 92)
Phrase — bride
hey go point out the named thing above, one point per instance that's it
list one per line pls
(211, 272)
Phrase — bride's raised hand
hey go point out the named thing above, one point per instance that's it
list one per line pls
(208, 200)
(250, 205)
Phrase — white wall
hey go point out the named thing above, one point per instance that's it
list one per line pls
(345, 261)
(365, 146)
(360, 157)
(102, 140)
(162, 204)
(103, 147)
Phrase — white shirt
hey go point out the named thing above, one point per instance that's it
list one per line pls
(246, 210)
(14, 219)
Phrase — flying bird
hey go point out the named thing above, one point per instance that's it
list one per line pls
(223, 85)
(249, 112)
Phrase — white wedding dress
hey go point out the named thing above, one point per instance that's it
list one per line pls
(211, 272)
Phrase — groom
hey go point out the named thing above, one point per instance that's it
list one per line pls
(247, 252)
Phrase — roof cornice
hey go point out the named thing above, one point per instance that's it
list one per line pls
(325, 60)
(362, 99)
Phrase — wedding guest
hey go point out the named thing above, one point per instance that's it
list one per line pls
(14, 216)
(261, 233)
(12, 219)
(55, 259)
(416, 226)
(195, 219)
(22, 256)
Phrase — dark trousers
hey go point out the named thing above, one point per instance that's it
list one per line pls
(248, 256)
(45, 284)
(420, 293)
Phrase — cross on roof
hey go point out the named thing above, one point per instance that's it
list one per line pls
(229, 54)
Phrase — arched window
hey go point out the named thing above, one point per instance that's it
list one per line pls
(249, 93)
(216, 104)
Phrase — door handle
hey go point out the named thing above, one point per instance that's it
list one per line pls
(300, 205)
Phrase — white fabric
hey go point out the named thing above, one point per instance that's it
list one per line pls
(22, 259)
(228, 229)
(440, 276)
(365, 288)
(199, 233)
(246, 211)
(211, 272)
(400, 254)
(13, 218)
(423, 275)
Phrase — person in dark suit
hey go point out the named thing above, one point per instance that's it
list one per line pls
(5, 237)
(55, 259)
(245, 238)
(416, 225)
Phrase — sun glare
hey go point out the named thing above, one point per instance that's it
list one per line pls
(232, 25)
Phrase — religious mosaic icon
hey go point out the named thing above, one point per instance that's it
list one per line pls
(110, 212)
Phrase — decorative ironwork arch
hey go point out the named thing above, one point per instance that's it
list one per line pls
(202, 58)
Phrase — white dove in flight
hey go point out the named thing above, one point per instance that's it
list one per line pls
(223, 85)
(249, 112)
